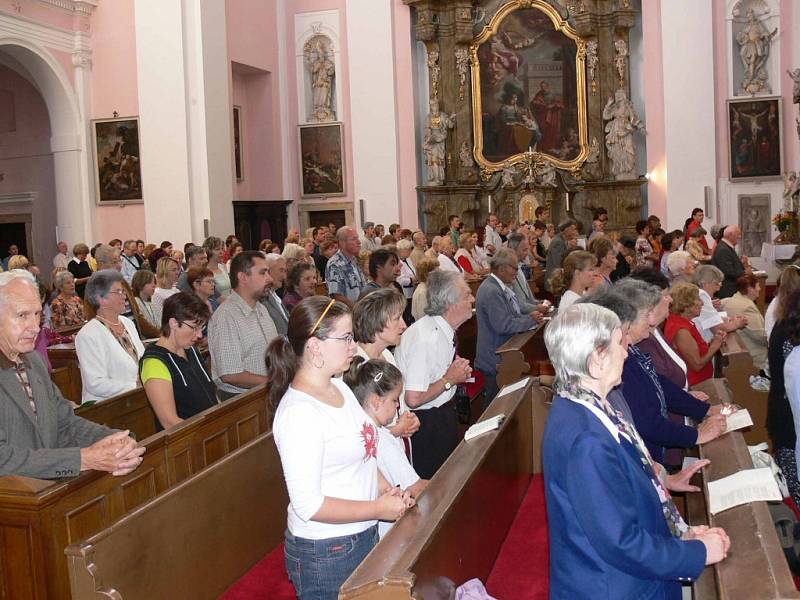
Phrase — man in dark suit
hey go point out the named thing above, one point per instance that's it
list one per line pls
(40, 436)
(562, 243)
(499, 317)
(727, 261)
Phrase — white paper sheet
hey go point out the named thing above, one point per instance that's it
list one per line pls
(738, 420)
(513, 387)
(750, 485)
(688, 461)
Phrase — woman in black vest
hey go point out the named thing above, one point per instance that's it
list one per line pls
(177, 383)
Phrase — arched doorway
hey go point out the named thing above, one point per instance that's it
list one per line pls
(70, 207)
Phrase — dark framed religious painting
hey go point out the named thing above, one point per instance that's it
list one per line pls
(528, 88)
(238, 159)
(322, 160)
(754, 139)
(118, 169)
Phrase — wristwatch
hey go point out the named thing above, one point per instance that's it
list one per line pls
(447, 385)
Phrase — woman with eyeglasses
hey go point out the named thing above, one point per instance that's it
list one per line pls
(328, 447)
(177, 383)
(201, 281)
(108, 346)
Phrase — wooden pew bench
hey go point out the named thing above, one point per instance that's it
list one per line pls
(755, 566)
(521, 356)
(129, 410)
(737, 368)
(195, 540)
(38, 519)
(462, 518)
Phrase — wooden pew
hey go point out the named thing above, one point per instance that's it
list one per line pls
(737, 369)
(129, 410)
(755, 566)
(521, 352)
(68, 380)
(463, 517)
(38, 519)
(214, 538)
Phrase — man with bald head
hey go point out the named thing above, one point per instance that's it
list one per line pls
(727, 261)
(343, 274)
(40, 436)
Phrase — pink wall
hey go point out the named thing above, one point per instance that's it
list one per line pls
(790, 13)
(27, 166)
(253, 51)
(300, 6)
(114, 88)
(654, 108)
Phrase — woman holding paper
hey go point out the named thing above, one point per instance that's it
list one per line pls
(638, 546)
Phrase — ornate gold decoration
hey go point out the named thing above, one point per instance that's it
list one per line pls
(490, 30)
(592, 61)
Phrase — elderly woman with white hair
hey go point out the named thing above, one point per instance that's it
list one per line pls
(681, 266)
(408, 275)
(614, 530)
(67, 307)
(108, 346)
(708, 279)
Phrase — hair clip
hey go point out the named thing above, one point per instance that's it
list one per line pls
(378, 377)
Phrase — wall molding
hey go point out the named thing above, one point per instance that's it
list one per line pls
(79, 7)
(49, 36)
(18, 198)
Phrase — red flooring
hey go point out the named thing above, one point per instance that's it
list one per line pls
(521, 571)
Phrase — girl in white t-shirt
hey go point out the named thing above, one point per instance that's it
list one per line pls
(377, 384)
(328, 449)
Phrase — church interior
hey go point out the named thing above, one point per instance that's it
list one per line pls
(386, 299)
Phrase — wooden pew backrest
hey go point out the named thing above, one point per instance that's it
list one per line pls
(462, 518)
(195, 540)
(130, 410)
(737, 369)
(38, 519)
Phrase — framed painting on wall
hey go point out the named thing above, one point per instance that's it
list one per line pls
(117, 166)
(237, 143)
(754, 136)
(322, 160)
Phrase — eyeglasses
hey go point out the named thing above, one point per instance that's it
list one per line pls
(117, 292)
(196, 328)
(347, 339)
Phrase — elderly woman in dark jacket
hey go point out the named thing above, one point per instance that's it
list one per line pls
(650, 395)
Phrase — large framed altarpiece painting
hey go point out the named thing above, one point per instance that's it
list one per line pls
(529, 88)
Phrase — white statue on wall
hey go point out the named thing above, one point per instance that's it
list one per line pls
(754, 44)
(547, 175)
(433, 146)
(323, 74)
(791, 191)
(622, 123)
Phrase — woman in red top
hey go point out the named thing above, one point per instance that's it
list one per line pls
(692, 224)
(682, 334)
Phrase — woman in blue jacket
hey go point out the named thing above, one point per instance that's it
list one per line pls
(614, 531)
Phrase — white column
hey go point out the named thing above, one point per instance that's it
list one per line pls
(185, 120)
(82, 70)
(373, 109)
(69, 170)
(689, 120)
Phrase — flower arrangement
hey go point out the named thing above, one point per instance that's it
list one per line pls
(784, 220)
(787, 223)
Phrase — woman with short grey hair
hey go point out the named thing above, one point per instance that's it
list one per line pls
(680, 266)
(602, 485)
(67, 307)
(108, 346)
(709, 279)
(650, 395)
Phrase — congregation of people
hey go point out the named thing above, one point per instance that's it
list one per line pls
(366, 383)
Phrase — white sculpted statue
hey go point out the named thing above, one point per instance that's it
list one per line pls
(791, 191)
(622, 122)
(547, 176)
(435, 140)
(754, 42)
(323, 73)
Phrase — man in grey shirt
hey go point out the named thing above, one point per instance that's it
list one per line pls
(196, 257)
(241, 329)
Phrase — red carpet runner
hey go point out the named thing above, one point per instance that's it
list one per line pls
(521, 571)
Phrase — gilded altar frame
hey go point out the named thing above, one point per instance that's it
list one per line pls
(536, 157)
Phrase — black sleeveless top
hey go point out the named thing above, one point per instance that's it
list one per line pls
(192, 385)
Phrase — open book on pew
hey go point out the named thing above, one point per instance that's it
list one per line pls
(740, 419)
(748, 485)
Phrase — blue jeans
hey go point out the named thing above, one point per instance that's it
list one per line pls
(318, 568)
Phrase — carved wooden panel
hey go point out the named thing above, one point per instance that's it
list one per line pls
(139, 490)
(181, 465)
(87, 518)
(247, 429)
(16, 562)
(215, 447)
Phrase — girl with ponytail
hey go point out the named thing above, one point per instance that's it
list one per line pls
(328, 448)
(378, 384)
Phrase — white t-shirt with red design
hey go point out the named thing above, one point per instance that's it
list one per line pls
(325, 451)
